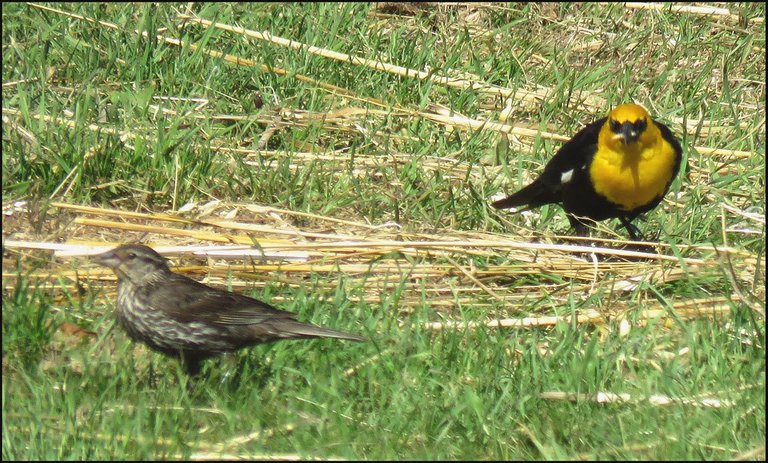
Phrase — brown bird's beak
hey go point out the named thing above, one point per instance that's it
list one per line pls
(107, 259)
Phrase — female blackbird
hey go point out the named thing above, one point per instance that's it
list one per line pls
(183, 318)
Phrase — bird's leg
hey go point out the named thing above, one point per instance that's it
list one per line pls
(191, 363)
(151, 373)
(634, 232)
(579, 227)
(635, 235)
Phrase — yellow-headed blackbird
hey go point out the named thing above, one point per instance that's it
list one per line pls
(180, 317)
(618, 166)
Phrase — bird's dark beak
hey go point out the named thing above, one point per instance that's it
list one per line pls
(629, 133)
(107, 259)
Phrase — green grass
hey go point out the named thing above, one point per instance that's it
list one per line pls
(412, 392)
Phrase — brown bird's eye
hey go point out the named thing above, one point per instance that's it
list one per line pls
(131, 255)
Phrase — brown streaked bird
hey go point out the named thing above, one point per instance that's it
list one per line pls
(619, 166)
(182, 318)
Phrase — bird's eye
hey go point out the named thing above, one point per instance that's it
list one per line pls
(131, 255)
(615, 126)
(641, 125)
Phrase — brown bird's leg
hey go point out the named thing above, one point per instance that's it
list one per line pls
(151, 373)
(191, 363)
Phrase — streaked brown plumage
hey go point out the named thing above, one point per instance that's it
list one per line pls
(186, 319)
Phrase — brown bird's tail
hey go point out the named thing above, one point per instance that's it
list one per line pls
(534, 195)
(295, 329)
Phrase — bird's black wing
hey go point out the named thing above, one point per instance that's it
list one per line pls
(667, 135)
(567, 165)
(574, 156)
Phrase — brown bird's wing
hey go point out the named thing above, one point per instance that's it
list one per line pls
(196, 302)
(187, 300)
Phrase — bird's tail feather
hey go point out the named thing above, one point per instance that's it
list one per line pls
(298, 329)
(534, 195)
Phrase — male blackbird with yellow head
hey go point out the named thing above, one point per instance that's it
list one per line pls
(619, 166)
(183, 318)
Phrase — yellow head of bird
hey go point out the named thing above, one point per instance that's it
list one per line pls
(627, 123)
